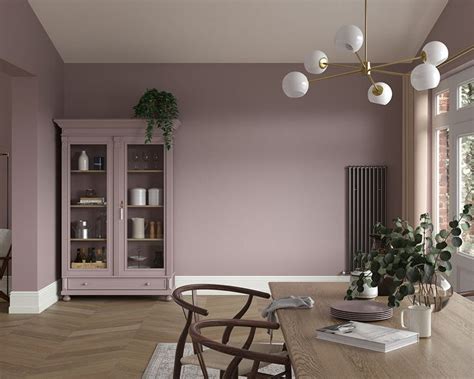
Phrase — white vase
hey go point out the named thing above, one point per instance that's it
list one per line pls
(369, 291)
(138, 228)
(83, 163)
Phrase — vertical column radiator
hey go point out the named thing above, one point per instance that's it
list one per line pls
(366, 205)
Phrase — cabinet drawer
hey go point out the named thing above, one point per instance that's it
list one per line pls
(116, 284)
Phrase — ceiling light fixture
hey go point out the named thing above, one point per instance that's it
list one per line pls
(350, 38)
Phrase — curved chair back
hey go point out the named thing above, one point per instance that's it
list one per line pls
(238, 353)
(193, 312)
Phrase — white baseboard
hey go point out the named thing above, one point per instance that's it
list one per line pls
(259, 283)
(34, 302)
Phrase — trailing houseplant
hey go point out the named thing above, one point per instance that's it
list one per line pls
(160, 109)
(416, 259)
(361, 278)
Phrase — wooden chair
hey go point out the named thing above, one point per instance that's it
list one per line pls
(243, 360)
(193, 313)
(466, 293)
(5, 258)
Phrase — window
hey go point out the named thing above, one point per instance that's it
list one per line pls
(442, 178)
(465, 94)
(466, 185)
(442, 102)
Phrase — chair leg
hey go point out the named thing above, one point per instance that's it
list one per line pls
(4, 296)
(288, 371)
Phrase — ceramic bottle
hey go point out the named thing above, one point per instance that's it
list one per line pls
(83, 161)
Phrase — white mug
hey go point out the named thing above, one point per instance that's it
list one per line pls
(417, 319)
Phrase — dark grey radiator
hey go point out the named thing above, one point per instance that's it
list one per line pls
(366, 205)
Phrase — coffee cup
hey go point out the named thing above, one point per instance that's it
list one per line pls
(417, 318)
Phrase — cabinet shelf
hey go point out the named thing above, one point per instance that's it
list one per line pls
(143, 171)
(145, 206)
(88, 239)
(88, 206)
(143, 239)
(88, 171)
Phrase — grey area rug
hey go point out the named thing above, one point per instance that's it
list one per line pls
(161, 364)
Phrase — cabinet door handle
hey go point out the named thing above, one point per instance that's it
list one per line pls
(85, 284)
(121, 210)
(148, 284)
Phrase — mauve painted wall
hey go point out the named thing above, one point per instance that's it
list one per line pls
(5, 142)
(25, 44)
(259, 178)
(454, 28)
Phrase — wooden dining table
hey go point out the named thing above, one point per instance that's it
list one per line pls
(449, 353)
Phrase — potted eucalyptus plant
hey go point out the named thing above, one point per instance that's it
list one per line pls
(361, 278)
(160, 109)
(416, 259)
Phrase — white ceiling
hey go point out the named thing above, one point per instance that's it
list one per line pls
(229, 31)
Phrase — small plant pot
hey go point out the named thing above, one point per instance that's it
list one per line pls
(369, 291)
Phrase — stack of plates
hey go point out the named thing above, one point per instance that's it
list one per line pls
(361, 310)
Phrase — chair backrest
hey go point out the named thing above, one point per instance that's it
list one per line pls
(236, 352)
(193, 312)
(5, 242)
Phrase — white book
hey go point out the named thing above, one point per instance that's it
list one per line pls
(368, 336)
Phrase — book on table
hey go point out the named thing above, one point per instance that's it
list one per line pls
(368, 336)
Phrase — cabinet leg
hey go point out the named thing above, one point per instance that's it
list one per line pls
(66, 298)
(165, 298)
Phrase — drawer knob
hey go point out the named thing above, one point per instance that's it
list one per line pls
(85, 284)
(148, 284)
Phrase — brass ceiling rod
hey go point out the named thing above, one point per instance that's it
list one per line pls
(458, 55)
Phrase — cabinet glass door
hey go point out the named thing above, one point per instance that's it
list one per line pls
(145, 229)
(89, 196)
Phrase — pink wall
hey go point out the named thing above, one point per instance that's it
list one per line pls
(5, 142)
(259, 177)
(37, 98)
(454, 28)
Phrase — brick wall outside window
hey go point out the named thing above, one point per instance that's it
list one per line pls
(443, 178)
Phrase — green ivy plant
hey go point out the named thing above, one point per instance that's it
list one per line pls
(159, 108)
(361, 263)
(413, 257)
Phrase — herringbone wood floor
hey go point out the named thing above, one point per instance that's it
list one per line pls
(100, 337)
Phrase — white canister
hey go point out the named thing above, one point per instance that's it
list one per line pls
(138, 228)
(155, 196)
(369, 291)
(138, 196)
(83, 163)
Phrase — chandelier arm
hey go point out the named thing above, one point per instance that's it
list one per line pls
(336, 75)
(458, 55)
(355, 65)
(407, 60)
(389, 72)
(360, 60)
(365, 31)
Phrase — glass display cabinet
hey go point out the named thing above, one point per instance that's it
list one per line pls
(117, 209)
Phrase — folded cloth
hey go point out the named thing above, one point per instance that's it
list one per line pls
(301, 302)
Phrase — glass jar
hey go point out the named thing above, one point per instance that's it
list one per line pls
(435, 294)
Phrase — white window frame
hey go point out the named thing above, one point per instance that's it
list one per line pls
(454, 120)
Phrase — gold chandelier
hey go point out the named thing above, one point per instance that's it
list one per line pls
(350, 38)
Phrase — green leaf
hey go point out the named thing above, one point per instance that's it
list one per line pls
(388, 258)
(413, 275)
(453, 224)
(465, 226)
(456, 232)
(443, 233)
(418, 238)
(400, 273)
(441, 245)
(445, 255)
(456, 241)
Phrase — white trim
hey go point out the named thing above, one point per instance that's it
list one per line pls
(259, 283)
(34, 302)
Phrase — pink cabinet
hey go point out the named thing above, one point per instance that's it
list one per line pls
(117, 210)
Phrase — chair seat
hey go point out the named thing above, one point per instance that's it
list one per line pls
(220, 361)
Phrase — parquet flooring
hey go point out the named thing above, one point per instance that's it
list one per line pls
(101, 337)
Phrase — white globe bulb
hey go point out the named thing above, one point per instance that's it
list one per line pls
(382, 95)
(295, 84)
(436, 52)
(424, 76)
(314, 62)
(350, 38)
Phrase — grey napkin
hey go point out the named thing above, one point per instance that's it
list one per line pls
(301, 302)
